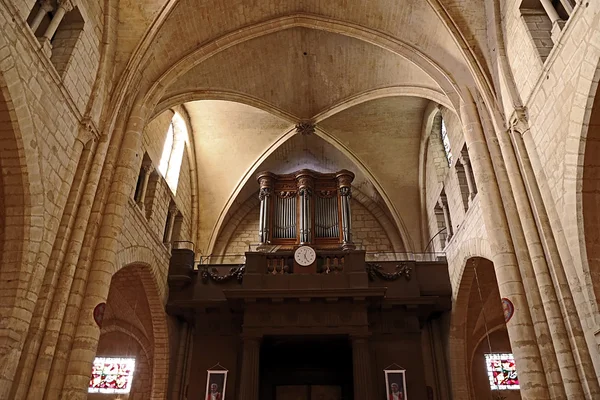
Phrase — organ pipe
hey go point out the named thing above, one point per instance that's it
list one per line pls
(344, 181)
(305, 207)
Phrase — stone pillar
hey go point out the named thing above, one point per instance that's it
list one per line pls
(557, 23)
(550, 10)
(115, 172)
(49, 312)
(464, 160)
(443, 203)
(45, 8)
(147, 169)
(561, 264)
(304, 180)
(64, 6)
(510, 283)
(361, 367)
(169, 228)
(344, 180)
(265, 181)
(250, 369)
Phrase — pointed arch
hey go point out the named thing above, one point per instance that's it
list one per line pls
(250, 172)
(436, 72)
(22, 214)
(138, 278)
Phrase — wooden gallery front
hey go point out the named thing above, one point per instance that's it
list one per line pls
(305, 316)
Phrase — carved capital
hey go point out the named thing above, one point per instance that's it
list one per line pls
(304, 180)
(46, 5)
(148, 168)
(464, 158)
(344, 178)
(265, 179)
(346, 191)
(443, 201)
(173, 211)
(264, 192)
(519, 121)
(66, 5)
(305, 191)
(305, 128)
(87, 131)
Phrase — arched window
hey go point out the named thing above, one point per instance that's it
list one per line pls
(446, 142)
(172, 155)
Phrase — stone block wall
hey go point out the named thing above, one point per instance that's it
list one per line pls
(439, 176)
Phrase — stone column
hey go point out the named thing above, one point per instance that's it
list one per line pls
(557, 22)
(550, 10)
(48, 315)
(169, 228)
(361, 367)
(266, 181)
(510, 283)
(464, 161)
(64, 6)
(79, 335)
(304, 180)
(443, 203)
(147, 169)
(561, 264)
(45, 8)
(344, 181)
(250, 369)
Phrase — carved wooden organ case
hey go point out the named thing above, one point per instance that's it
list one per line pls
(306, 208)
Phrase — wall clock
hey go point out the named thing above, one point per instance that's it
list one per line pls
(305, 256)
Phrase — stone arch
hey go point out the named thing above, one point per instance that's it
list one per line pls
(464, 339)
(587, 192)
(224, 95)
(462, 278)
(141, 283)
(22, 204)
(437, 73)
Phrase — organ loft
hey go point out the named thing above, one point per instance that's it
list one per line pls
(307, 313)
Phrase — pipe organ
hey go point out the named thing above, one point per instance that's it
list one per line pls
(306, 207)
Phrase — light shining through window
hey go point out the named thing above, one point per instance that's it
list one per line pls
(111, 375)
(502, 371)
(446, 143)
(172, 155)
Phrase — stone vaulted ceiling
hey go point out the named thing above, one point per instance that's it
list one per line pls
(365, 72)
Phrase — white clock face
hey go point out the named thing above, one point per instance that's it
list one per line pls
(305, 255)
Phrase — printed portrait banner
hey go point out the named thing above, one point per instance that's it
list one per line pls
(216, 383)
(395, 384)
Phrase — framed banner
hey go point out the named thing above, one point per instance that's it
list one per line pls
(395, 384)
(216, 383)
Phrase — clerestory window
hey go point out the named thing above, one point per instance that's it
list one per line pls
(172, 155)
(446, 142)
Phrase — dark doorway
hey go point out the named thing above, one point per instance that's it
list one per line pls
(306, 368)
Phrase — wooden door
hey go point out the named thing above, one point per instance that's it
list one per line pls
(314, 392)
(294, 392)
(325, 392)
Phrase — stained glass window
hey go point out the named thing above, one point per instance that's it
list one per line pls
(446, 143)
(111, 375)
(502, 371)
